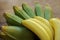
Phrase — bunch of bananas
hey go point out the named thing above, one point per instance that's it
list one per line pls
(27, 24)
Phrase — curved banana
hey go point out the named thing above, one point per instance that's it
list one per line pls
(37, 29)
(45, 27)
(28, 10)
(42, 19)
(20, 12)
(38, 10)
(48, 12)
(55, 22)
(2, 35)
(45, 22)
(18, 33)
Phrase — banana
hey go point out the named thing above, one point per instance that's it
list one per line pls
(12, 19)
(2, 35)
(8, 38)
(55, 22)
(45, 27)
(5, 37)
(21, 13)
(28, 10)
(18, 33)
(48, 12)
(38, 10)
(46, 22)
(37, 29)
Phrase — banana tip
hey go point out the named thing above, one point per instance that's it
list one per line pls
(3, 28)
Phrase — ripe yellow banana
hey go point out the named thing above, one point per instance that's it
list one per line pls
(44, 21)
(45, 27)
(55, 22)
(37, 29)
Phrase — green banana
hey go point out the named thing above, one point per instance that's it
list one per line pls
(19, 12)
(18, 33)
(38, 10)
(12, 19)
(37, 29)
(48, 12)
(55, 23)
(4, 36)
(8, 38)
(28, 10)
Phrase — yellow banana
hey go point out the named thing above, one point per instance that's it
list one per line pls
(37, 29)
(44, 21)
(55, 22)
(44, 26)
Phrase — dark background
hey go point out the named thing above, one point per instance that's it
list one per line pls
(6, 5)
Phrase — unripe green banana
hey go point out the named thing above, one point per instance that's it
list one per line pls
(28, 10)
(4, 36)
(8, 38)
(12, 19)
(21, 13)
(48, 12)
(55, 22)
(18, 33)
(38, 10)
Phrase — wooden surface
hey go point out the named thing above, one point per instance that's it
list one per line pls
(6, 5)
